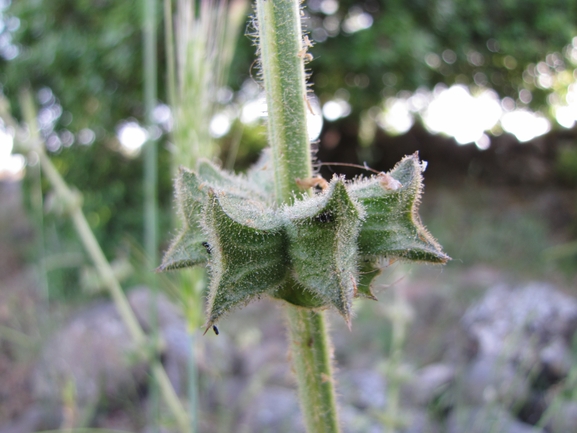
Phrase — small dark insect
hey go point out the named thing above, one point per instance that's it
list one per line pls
(207, 246)
(325, 217)
(215, 329)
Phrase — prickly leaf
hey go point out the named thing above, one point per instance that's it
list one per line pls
(392, 227)
(322, 234)
(188, 248)
(248, 254)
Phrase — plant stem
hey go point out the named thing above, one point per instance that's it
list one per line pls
(280, 41)
(170, 59)
(281, 58)
(73, 200)
(150, 184)
(150, 148)
(312, 363)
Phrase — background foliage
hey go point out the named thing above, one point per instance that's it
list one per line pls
(84, 60)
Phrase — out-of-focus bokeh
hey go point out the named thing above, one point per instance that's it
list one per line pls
(485, 91)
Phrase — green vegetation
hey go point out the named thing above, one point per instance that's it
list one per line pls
(278, 230)
(307, 251)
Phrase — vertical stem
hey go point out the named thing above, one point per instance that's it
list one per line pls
(311, 357)
(284, 82)
(399, 320)
(281, 58)
(170, 59)
(150, 148)
(150, 185)
(104, 269)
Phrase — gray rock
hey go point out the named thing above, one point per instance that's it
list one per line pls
(556, 356)
(275, 409)
(364, 389)
(485, 419)
(519, 324)
(36, 418)
(419, 421)
(489, 379)
(176, 340)
(564, 418)
(94, 355)
(429, 382)
(529, 327)
(354, 420)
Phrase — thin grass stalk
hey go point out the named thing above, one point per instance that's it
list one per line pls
(150, 183)
(73, 202)
(399, 314)
(282, 69)
(150, 147)
(170, 59)
(199, 51)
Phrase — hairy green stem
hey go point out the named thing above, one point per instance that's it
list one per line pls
(280, 43)
(73, 201)
(311, 358)
(282, 61)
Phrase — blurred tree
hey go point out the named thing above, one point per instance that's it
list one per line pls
(89, 52)
(376, 48)
(84, 60)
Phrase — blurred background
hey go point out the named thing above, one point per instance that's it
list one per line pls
(485, 91)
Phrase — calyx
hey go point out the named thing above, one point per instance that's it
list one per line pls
(322, 251)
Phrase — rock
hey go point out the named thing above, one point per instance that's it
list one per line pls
(564, 418)
(275, 409)
(354, 420)
(94, 355)
(36, 418)
(485, 419)
(429, 382)
(176, 340)
(364, 389)
(490, 379)
(556, 357)
(419, 421)
(520, 323)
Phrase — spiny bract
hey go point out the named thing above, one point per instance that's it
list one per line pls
(322, 251)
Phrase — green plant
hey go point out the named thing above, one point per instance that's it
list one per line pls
(199, 50)
(269, 233)
(70, 204)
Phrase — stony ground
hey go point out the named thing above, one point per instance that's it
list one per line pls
(416, 385)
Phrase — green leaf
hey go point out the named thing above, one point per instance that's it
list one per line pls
(261, 173)
(189, 248)
(231, 183)
(392, 227)
(248, 252)
(322, 233)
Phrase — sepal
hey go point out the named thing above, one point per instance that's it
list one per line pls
(189, 246)
(248, 256)
(322, 233)
(392, 227)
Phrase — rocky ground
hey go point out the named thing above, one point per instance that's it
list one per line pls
(477, 346)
